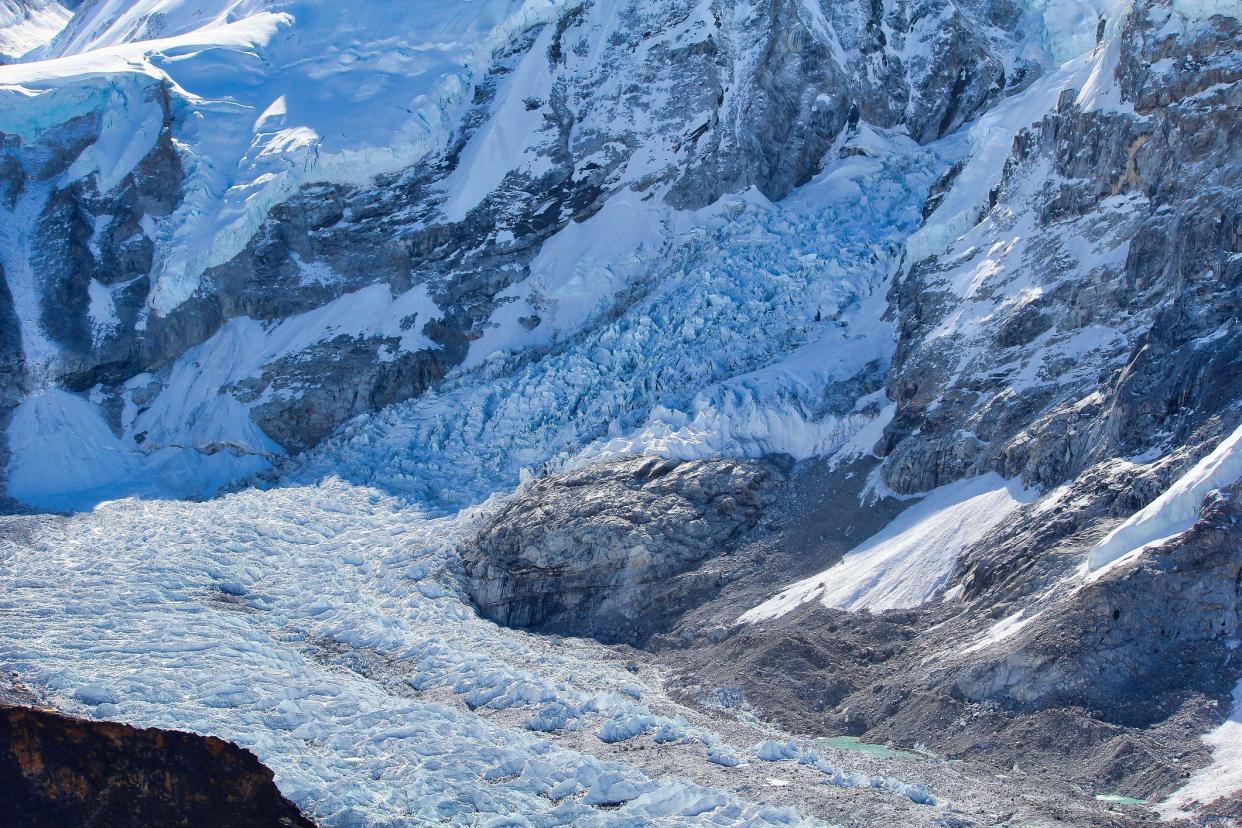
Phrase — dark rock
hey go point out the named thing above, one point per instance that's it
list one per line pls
(618, 549)
(57, 770)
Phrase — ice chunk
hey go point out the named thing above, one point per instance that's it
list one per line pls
(771, 750)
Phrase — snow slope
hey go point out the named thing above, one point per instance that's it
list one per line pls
(1175, 510)
(201, 428)
(1221, 777)
(28, 24)
(268, 95)
(906, 563)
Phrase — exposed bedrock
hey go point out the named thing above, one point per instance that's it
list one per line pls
(57, 770)
(616, 550)
(1104, 322)
(1149, 628)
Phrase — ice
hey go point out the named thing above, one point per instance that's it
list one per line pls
(771, 750)
(1175, 510)
(908, 561)
(1204, 9)
(248, 617)
(744, 315)
(626, 725)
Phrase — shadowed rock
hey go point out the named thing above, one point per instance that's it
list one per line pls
(57, 770)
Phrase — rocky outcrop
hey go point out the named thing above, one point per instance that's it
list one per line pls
(1104, 318)
(618, 549)
(1153, 627)
(56, 770)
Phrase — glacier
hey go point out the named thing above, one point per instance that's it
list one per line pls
(186, 569)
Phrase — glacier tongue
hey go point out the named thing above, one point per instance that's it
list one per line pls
(324, 629)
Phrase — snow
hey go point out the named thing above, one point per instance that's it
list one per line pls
(984, 147)
(1196, 10)
(101, 311)
(907, 562)
(269, 95)
(504, 142)
(28, 24)
(1220, 778)
(88, 462)
(196, 434)
(1008, 626)
(1175, 510)
(578, 271)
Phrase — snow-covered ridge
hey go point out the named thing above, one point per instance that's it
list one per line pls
(267, 96)
(1175, 510)
(911, 559)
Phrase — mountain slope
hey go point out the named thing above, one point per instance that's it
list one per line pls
(853, 369)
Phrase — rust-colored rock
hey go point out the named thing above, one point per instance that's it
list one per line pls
(57, 770)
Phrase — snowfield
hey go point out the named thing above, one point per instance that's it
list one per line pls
(26, 25)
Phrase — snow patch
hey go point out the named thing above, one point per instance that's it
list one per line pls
(1222, 777)
(1175, 510)
(908, 561)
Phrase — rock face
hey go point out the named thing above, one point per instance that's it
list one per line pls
(677, 102)
(617, 549)
(1153, 628)
(1105, 260)
(56, 770)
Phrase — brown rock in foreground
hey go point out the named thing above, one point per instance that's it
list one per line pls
(57, 770)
